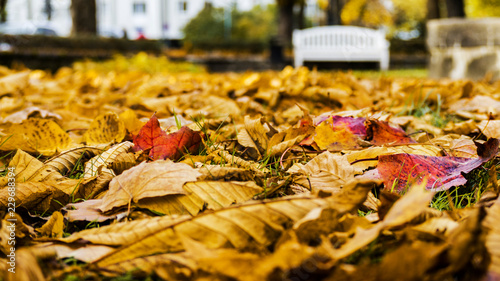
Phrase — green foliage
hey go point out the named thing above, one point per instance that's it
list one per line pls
(207, 26)
(482, 8)
(141, 62)
(249, 30)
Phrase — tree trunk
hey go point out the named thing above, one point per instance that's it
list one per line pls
(3, 12)
(455, 8)
(333, 12)
(83, 13)
(285, 25)
(433, 9)
(301, 20)
(48, 9)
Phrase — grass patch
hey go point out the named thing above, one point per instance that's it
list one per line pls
(465, 195)
(393, 73)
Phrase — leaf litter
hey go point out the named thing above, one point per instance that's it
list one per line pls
(142, 168)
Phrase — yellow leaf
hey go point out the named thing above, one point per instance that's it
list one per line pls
(131, 122)
(54, 227)
(36, 135)
(219, 194)
(14, 82)
(339, 139)
(105, 129)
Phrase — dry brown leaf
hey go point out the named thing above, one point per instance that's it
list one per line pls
(26, 268)
(26, 166)
(104, 160)
(66, 160)
(31, 111)
(492, 225)
(145, 180)
(254, 135)
(404, 210)
(167, 266)
(364, 159)
(490, 128)
(212, 195)
(12, 83)
(13, 223)
(216, 172)
(88, 210)
(325, 172)
(477, 104)
(254, 225)
(36, 197)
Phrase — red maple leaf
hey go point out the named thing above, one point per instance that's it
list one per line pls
(441, 172)
(150, 135)
(163, 146)
(173, 146)
(380, 133)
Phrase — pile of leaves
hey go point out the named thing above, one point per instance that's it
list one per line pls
(133, 173)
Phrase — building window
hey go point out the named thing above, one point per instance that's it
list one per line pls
(139, 8)
(183, 6)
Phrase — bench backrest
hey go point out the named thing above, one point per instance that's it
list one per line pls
(339, 37)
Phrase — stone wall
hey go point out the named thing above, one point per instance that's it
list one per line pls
(464, 48)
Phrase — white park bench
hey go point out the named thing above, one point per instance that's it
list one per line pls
(340, 43)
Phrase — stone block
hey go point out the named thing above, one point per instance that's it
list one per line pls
(446, 33)
(464, 48)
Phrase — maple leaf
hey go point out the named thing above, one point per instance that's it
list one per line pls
(398, 170)
(150, 135)
(174, 145)
(163, 146)
(380, 133)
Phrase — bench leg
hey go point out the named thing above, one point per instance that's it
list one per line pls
(384, 62)
(298, 61)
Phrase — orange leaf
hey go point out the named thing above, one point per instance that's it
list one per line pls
(164, 146)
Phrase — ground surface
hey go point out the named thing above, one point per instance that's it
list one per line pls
(145, 169)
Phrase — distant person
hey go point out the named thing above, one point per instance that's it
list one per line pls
(124, 34)
(141, 36)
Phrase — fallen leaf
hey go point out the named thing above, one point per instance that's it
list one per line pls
(175, 145)
(381, 133)
(88, 210)
(325, 172)
(164, 146)
(105, 129)
(36, 135)
(30, 112)
(132, 124)
(150, 135)
(490, 128)
(54, 227)
(441, 173)
(145, 180)
(35, 196)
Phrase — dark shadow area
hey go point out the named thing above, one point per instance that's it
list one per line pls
(343, 65)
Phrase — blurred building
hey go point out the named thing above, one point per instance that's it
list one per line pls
(153, 19)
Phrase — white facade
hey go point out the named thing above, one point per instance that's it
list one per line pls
(155, 19)
(33, 12)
